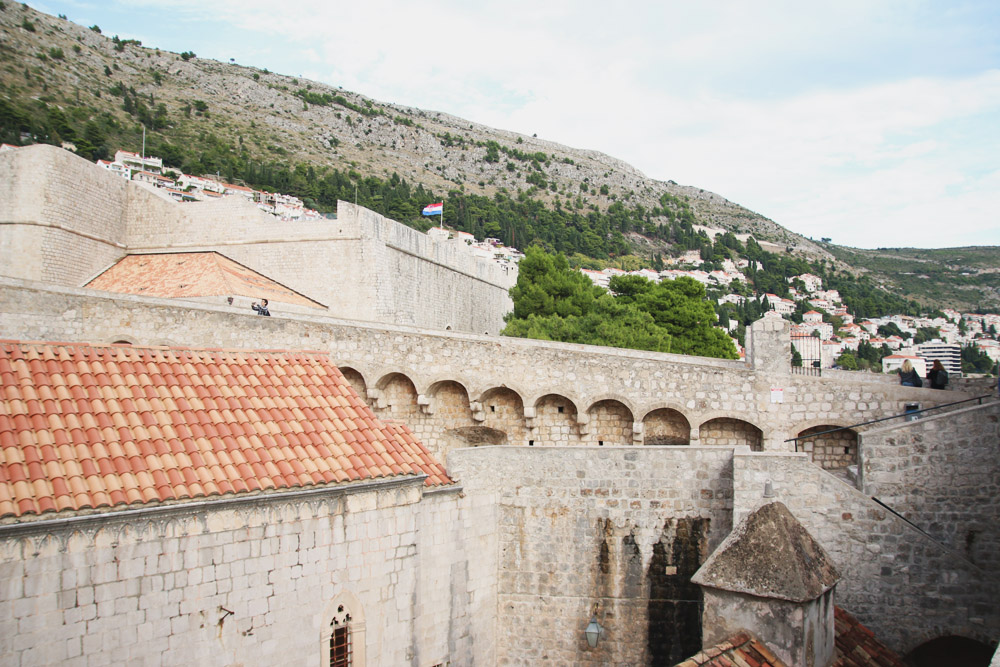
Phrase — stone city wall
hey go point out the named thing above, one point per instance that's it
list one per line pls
(904, 585)
(64, 220)
(249, 582)
(457, 389)
(60, 223)
(942, 473)
(611, 531)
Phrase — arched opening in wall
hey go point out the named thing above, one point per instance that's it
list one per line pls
(451, 414)
(831, 451)
(503, 410)
(342, 642)
(729, 432)
(951, 650)
(356, 381)
(610, 423)
(555, 422)
(666, 427)
(398, 399)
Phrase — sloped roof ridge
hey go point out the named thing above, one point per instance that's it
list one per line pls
(770, 555)
(741, 649)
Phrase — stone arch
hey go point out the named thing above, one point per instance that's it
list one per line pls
(951, 650)
(555, 422)
(831, 451)
(357, 381)
(502, 409)
(123, 339)
(609, 422)
(666, 426)
(343, 620)
(437, 385)
(619, 398)
(730, 432)
(449, 423)
(397, 398)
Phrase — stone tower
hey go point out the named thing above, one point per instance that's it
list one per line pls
(772, 578)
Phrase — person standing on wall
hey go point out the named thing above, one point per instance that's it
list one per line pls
(261, 309)
(938, 376)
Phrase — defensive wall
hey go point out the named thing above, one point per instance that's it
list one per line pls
(456, 389)
(64, 220)
(902, 574)
(253, 581)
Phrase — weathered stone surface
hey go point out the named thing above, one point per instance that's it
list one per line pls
(770, 555)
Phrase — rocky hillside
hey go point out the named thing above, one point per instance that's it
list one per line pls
(78, 82)
(270, 116)
(966, 279)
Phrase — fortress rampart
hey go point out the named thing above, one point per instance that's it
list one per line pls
(453, 388)
(64, 220)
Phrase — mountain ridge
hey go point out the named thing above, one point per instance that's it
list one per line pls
(220, 108)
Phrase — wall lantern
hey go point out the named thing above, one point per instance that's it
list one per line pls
(593, 631)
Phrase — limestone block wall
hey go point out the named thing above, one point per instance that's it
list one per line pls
(430, 283)
(616, 529)
(247, 583)
(942, 473)
(830, 450)
(597, 387)
(63, 220)
(904, 585)
(57, 223)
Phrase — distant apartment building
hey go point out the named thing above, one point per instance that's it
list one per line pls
(811, 282)
(947, 353)
(138, 162)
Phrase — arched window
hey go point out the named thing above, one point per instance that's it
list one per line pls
(343, 633)
(340, 638)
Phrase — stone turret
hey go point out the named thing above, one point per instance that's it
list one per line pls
(772, 578)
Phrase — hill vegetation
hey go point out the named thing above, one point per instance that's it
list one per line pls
(73, 85)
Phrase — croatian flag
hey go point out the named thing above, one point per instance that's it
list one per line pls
(434, 209)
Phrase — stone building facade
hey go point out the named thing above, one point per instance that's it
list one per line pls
(249, 582)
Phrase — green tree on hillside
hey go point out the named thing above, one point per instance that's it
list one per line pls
(554, 302)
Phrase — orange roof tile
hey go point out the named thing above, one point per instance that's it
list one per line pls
(740, 649)
(192, 274)
(856, 645)
(156, 424)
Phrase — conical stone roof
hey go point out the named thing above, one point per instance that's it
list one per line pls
(770, 555)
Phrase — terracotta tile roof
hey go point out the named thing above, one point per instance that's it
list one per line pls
(86, 426)
(192, 274)
(856, 645)
(740, 650)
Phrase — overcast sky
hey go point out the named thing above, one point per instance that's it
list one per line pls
(874, 123)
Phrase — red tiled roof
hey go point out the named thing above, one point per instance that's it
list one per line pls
(856, 645)
(739, 650)
(85, 426)
(178, 275)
